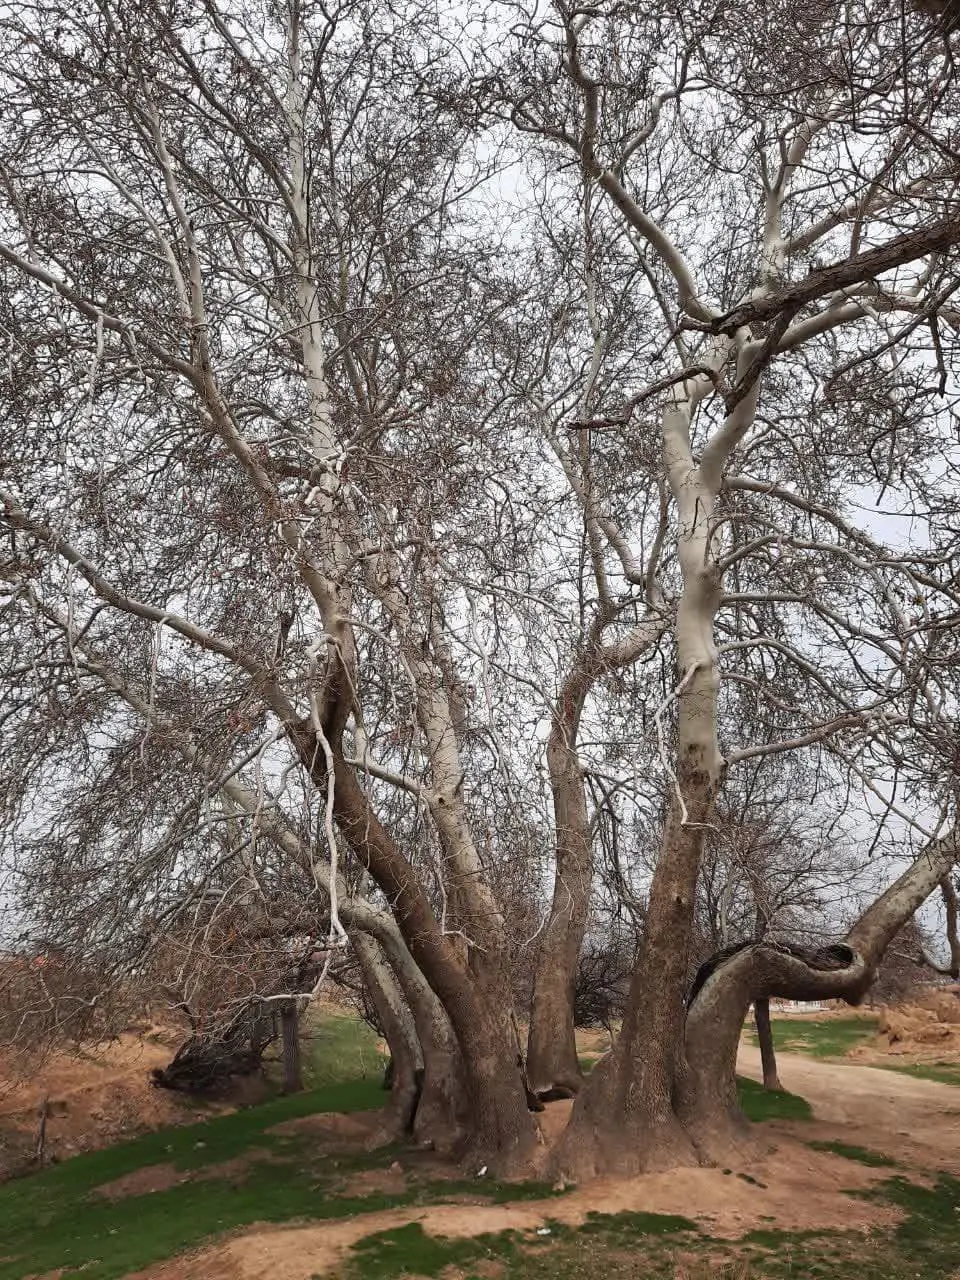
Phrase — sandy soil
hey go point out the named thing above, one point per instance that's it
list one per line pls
(915, 1121)
(95, 1098)
(794, 1187)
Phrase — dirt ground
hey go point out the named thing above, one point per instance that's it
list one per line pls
(924, 1030)
(916, 1122)
(104, 1096)
(94, 1098)
(791, 1187)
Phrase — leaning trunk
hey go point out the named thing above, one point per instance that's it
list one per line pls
(396, 1023)
(442, 1116)
(502, 1134)
(768, 1053)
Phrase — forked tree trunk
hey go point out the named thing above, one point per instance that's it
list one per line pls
(624, 1119)
(768, 1053)
(475, 990)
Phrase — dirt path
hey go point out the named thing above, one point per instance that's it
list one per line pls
(914, 1121)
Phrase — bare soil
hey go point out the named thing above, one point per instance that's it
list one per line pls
(924, 1030)
(916, 1122)
(94, 1098)
(791, 1187)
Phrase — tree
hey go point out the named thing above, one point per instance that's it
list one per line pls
(294, 443)
(602, 112)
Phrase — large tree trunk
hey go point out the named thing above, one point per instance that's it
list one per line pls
(552, 1063)
(768, 1052)
(290, 1040)
(502, 1133)
(624, 1119)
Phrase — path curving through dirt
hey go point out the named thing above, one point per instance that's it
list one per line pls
(914, 1121)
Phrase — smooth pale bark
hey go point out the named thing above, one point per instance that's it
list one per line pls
(624, 1119)
(768, 1052)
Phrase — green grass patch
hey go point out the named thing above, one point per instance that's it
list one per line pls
(941, 1072)
(762, 1104)
(336, 1048)
(874, 1159)
(56, 1218)
(410, 1250)
(632, 1223)
(59, 1219)
(819, 1037)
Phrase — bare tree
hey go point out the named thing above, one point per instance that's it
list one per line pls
(290, 464)
(598, 107)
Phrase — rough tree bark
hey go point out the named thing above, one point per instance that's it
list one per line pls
(290, 1040)
(442, 1116)
(707, 1100)
(768, 1053)
(552, 1063)
(471, 982)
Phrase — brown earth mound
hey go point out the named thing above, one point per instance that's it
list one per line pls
(792, 1186)
(926, 1028)
(91, 1098)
